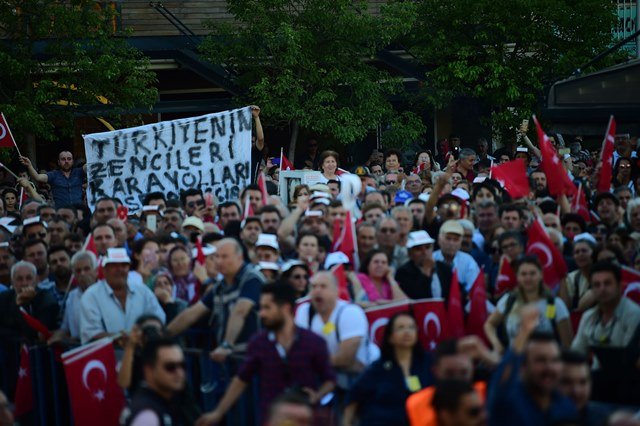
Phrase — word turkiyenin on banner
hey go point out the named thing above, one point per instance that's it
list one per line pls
(211, 152)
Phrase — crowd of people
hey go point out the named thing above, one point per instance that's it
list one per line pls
(267, 287)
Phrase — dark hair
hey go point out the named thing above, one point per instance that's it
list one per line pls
(189, 193)
(511, 208)
(542, 337)
(176, 248)
(334, 181)
(603, 266)
(228, 204)
(154, 196)
(307, 234)
(282, 293)
(387, 351)
(445, 348)
(526, 260)
(572, 357)
(57, 248)
(449, 393)
(573, 217)
(388, 153)
(324, 243)
(211, 237)
(269, 208)
(335, 203)
(509, 235)
(137, 248)
(615, 249)
(424, 151)
(103, 225)
(478, 186)
(326, 154)
(100, 200)
(367, 259)
(250, 187)
(147, 317)
(293, 396)
(152, 347)
(34, 242)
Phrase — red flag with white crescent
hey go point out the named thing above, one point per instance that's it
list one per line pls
(378, 318)
(506, 280)
(557, 176)
(539, 244)
(478, 311)
(512, 175)
(23, 399)
(606, 157)
(6, 138)
(431, 319)
(92, 379)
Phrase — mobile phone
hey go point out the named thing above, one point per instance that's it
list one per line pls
(525, 125)
(152, 222)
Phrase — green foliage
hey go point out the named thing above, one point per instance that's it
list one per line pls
(306, 62)
(505, 52)
(58, 57)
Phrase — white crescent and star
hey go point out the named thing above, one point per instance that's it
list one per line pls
(541, 247)
(431, 317)
(3, 131)
(380, 322)
(94, 365)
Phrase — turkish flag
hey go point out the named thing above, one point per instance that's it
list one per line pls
(431, 319)
(285, 164)
(478, 311)
(559, 182)
(122, 212)
(539, 244)
(6, 138)
(631, 283)
(35, 324)
(343, 285)
(580, 205)
(344, 238)
(606, 157)
(262, 183)
(455, 311)
(248, 209)
(421, 167)
(96, 399)
(378, 318)
(23, 400)
(512, 175)
(506, 280)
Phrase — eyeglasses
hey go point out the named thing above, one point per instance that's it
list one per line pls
(391, 182)
(192, 204)
(171, 367)
(388, 230)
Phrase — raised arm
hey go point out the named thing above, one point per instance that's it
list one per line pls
(38, 177)
(255, 112)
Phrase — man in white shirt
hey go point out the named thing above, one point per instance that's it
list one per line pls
(450, 242)
(343, 325)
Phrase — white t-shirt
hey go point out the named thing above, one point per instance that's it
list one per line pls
(544, 325)
(351, 323)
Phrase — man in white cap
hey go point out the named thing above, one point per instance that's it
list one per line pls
(113, 305)
(417, 277)
(450, 242)
(267, 248)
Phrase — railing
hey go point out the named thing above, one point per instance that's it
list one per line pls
(206, 379)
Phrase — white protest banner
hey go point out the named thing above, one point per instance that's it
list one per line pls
(211, 152)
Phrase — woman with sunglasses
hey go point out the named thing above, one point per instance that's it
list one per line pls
(296, 274)
(623, 174)
(379, 395)
(504, 323)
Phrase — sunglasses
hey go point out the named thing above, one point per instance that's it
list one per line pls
(391, 182)
(171, 367)
(193, 204)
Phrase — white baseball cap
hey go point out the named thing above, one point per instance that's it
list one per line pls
(419, 238)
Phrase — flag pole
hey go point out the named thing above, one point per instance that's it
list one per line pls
(9, 170)
(491, 169)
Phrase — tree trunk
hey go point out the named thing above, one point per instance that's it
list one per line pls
(295, 129)
(29, 148)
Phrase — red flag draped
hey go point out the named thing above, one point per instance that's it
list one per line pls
(539, 244)
(478, 311)
(343, 284)
(431, 319)
(378, 318)
(95, 396)
(455, 313)
(580, 205)
(200, 257)
(343, 238)
(285, 164)
(512, 176)
(606, 157)
(506, 280)
(23, 399)
(559, 182)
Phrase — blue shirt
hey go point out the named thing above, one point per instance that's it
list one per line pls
(465, 265)
(381, 391)
(71, 318)
(101, 311)
(510, 403)
(66, 191)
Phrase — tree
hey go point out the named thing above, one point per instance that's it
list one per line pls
(307, 64)
(505, 52)
(59, 57)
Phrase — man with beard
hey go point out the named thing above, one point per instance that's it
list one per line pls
(252, 227)
(171, 220)
(36, 252)
(270, 219)
(60, 267)
(7, 259)
(66, 183)
(283, 356)
(524, 388)
(83, 265)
